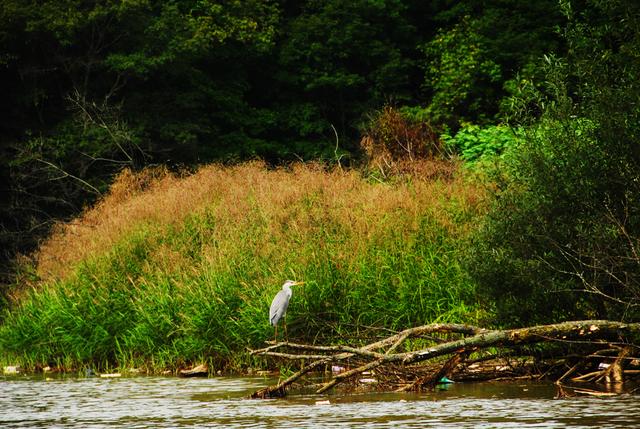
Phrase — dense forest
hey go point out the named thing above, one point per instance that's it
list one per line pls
(538, 101)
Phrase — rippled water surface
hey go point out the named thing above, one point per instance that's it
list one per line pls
(219, 402)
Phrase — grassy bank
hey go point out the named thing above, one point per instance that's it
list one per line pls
(167, 271)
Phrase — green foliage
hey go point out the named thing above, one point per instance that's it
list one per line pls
(478, 52)
(203, 79)
(476, 143)
(514, 33)
(460, 76)
(154, 61)
(348, 57)
(522, 251)
(566, 216)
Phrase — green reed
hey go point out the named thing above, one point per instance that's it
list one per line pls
(167, 296)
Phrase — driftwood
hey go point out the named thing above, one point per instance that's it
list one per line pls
(393, 361)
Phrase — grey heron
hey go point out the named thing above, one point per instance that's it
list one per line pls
(279, 306)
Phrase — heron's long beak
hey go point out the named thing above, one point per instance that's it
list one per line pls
(298, 283)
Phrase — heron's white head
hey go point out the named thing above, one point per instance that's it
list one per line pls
(290, 283)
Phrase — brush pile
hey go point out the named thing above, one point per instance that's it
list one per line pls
(596, 351)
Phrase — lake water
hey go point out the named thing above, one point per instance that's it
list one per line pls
(167, 402)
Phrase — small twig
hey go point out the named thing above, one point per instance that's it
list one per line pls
(395, 345)
(587, 376)
(338, 348)
(292, 356)
(591, 392)
(66, 174)
(570, 371)
(335, 151)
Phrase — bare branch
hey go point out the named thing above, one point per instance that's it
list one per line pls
(67, 174)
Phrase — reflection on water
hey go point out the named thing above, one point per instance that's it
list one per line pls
(173, 402)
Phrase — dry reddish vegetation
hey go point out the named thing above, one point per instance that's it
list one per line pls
(288, 202)
(394, 144)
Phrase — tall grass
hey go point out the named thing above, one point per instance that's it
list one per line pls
(167, 270)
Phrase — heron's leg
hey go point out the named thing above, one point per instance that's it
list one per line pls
(286, 336)
(275, 339)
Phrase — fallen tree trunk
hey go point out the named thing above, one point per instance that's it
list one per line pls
(469, 340)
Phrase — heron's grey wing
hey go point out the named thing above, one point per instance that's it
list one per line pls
(278, 307)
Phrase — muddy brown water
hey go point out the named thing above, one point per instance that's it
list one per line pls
(166, 402)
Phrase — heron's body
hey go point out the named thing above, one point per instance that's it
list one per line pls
(280, 304)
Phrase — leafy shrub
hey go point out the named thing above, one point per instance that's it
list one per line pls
(475, 143)
(544, 211)
(561, 239)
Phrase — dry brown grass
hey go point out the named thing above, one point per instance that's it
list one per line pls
(277, 210)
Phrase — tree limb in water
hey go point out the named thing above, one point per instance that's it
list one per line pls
(383, 353)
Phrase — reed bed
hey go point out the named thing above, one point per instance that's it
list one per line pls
(170, 270)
